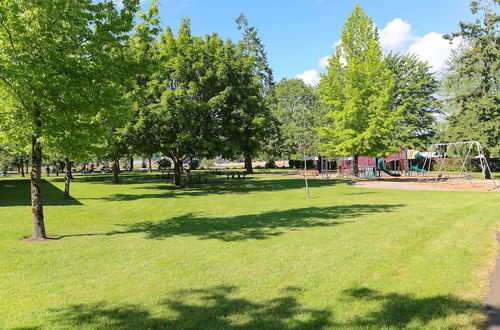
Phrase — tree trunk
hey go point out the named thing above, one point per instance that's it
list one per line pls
(27, 166)
(116, 171)
(248, 164)
(36, 192)
(308, 196)
(67, 178)
(355, 166)
(149, 164)
(177, 172)
(22, 167)
(131, 163)
(487, 173)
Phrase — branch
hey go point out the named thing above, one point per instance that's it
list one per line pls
(10, 36)
(16, 92)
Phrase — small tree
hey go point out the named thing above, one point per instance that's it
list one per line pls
(300, 113)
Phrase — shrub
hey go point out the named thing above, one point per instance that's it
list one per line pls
(164, 163)
(270, 164)
(194, 164)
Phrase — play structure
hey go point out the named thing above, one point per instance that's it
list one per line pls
(447, 163)
(462, 156)
(326, 167)
(402, 163)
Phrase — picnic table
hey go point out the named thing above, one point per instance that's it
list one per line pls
(234, 175)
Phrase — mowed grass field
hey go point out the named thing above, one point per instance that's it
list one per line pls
(250, 254)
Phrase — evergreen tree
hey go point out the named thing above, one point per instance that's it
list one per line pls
(472, 81)
(254, 117)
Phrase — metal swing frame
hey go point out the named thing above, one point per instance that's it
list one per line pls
(443, 151)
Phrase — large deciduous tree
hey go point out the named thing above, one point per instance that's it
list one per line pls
(414, 93)
(188, 94)
(357, 92)
(472, 81)
(57, 61)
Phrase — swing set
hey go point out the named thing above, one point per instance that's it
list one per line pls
(462, 152)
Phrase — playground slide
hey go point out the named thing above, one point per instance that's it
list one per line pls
(417, 169)
(380, 166)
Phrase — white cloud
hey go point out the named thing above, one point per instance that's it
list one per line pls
(310, 77)
(396, 35)
(323, 62)
(433, 49)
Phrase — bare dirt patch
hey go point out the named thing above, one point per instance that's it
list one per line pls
(413, 184)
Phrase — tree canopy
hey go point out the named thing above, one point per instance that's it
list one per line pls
(357, 93)
(472, 80)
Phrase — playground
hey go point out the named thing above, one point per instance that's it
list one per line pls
(460, 166)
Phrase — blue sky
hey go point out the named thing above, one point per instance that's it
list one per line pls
(299, 33)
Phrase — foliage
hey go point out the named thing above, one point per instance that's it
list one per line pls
(357, 92)
(61, 70)
(141, 133)
(164, 163)
(270, 164)
(415, 88)
(473, 80)
(194, 164)
(252, 120)
(299, 113)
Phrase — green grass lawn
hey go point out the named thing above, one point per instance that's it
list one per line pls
(248, 254)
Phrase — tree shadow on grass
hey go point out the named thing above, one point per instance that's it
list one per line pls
(212, 308)
(229, 187)
(401, 310)
(253, 226)
(18, 193)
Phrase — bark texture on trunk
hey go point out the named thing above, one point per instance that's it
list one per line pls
(116, 171)
(36, 191)
(177, 173)
(248, 164)
(67, 177)
(149, 164)
(355, 166)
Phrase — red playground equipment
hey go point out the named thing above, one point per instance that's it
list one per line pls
(397, 164)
